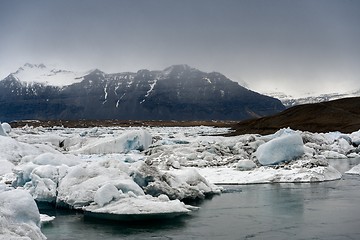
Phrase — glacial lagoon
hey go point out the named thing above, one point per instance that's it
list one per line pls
(326, 210)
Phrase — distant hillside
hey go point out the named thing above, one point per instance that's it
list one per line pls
(290, 101)
(339, 115)
(178, 92)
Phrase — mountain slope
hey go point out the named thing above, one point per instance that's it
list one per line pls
(176, 93)
(39, 73)
(290, 101)
(339, 115)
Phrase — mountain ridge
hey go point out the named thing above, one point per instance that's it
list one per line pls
(179, 92)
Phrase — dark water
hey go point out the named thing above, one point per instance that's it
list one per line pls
(329, 210)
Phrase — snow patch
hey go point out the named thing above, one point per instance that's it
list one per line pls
(33, 73)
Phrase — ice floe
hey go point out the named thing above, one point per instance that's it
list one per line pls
(354, 170)
(127, 208)
(19, 216)
(136, 173)
(132, 140)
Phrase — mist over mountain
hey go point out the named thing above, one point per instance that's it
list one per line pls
(179, 92)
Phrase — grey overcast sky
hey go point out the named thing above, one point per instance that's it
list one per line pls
(293, 46)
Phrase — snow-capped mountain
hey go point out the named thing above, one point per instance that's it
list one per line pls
(290, 101)
(39, 73)
(179, 92)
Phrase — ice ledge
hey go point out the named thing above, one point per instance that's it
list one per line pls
(231, 176)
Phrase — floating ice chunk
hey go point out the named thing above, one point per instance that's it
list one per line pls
(106, 194)
(139, 208)
(353, 155)
(133, 140)
(42, 189)
(333, 154)
(281, 149)
(19, 216)
(354, 170)
(78, 187)
(44, 182)
(225, 175)
(176, 184)
(2, 131)
(245, 165)
(44, 219)
(341, 145)
(355, 137)
(6, 127)
(23, 173)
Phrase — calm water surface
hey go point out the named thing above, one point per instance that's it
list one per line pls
(329, 210)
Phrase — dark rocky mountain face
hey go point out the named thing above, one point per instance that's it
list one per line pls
(177, 93)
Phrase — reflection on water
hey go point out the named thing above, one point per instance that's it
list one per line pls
(327, 210)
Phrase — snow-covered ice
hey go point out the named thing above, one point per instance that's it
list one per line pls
(354, 170)
(19, 216)
(45, 219)
(117, 172)
(245, 165)
(139, 208)
(296, 173)
(132, 140)
(2, 131)
(6, 127)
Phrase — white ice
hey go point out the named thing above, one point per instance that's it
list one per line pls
(2, 131)
(132, 169)
(19, 216)
(355, 170)
(280, 149)
(6, 127)
(141, 205)
(132, 140)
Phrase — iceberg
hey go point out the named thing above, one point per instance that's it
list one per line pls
(19, 216)
(298, 173)
(139, 208)
(133, 140)
(5, 127)
(45, 219)
(80, 185)
(2, 131)
(354, 170)
(176, 184)
(281, 149)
